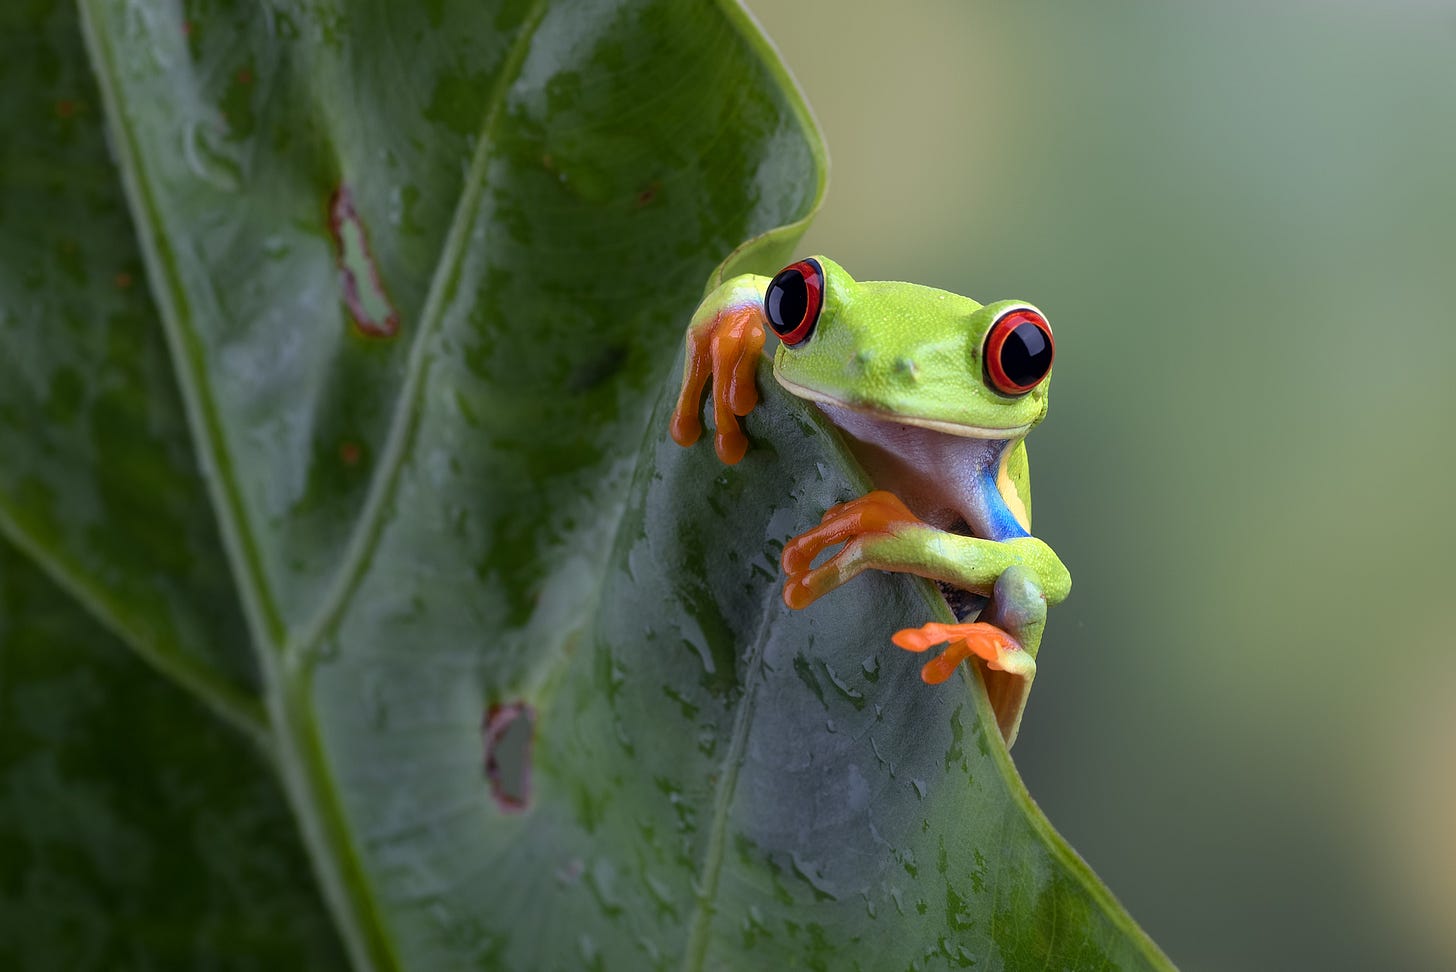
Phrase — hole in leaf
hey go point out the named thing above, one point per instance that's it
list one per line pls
(508, 731)
(364, 292)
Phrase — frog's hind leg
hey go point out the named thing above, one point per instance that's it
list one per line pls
(1002, 646)
(1006, 668)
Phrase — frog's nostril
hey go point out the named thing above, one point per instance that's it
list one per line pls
(861, 361)
(906, 369)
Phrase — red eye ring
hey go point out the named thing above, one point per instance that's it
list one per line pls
(793, 300)
(1019, 351)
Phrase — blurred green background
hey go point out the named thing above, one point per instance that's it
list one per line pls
(1241, 221)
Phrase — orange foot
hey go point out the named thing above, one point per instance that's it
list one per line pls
(727, 345)
(879, 514)
(1007, 670)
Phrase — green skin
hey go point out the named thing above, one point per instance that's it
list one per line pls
(898, 368)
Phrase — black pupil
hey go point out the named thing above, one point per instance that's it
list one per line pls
(1027, 354)
(787, 301)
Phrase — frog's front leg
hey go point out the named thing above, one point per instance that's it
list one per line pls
(1021, 576)
(724, 340)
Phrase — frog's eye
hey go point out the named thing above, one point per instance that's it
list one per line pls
(1019, 351)
(793, 300)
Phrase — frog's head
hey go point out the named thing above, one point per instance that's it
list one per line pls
(909, 354)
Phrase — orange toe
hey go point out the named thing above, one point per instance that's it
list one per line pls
(995, 647)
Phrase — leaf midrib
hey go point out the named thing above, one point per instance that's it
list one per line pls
(366, 947)
(297, 746)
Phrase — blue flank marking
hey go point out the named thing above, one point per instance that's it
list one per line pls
(998, 516)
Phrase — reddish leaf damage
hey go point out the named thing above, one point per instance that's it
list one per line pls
(364, 292)
(508, 732)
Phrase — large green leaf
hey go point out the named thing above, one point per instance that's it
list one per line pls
(522, 667)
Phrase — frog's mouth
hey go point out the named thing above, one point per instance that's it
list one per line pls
(919, 421)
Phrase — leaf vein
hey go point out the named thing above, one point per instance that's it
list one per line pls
(409, 409)
(695, 954)
(238, 708)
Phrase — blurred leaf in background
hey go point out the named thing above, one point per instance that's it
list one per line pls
(1241, 220)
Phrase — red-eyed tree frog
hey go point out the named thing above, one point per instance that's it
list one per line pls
(934, 394)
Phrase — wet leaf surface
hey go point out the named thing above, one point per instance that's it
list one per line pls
(98, 474)
(420, 272)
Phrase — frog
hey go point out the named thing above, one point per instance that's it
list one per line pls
(933, 394)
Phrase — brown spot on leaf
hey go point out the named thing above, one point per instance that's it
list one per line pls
(649, 192)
